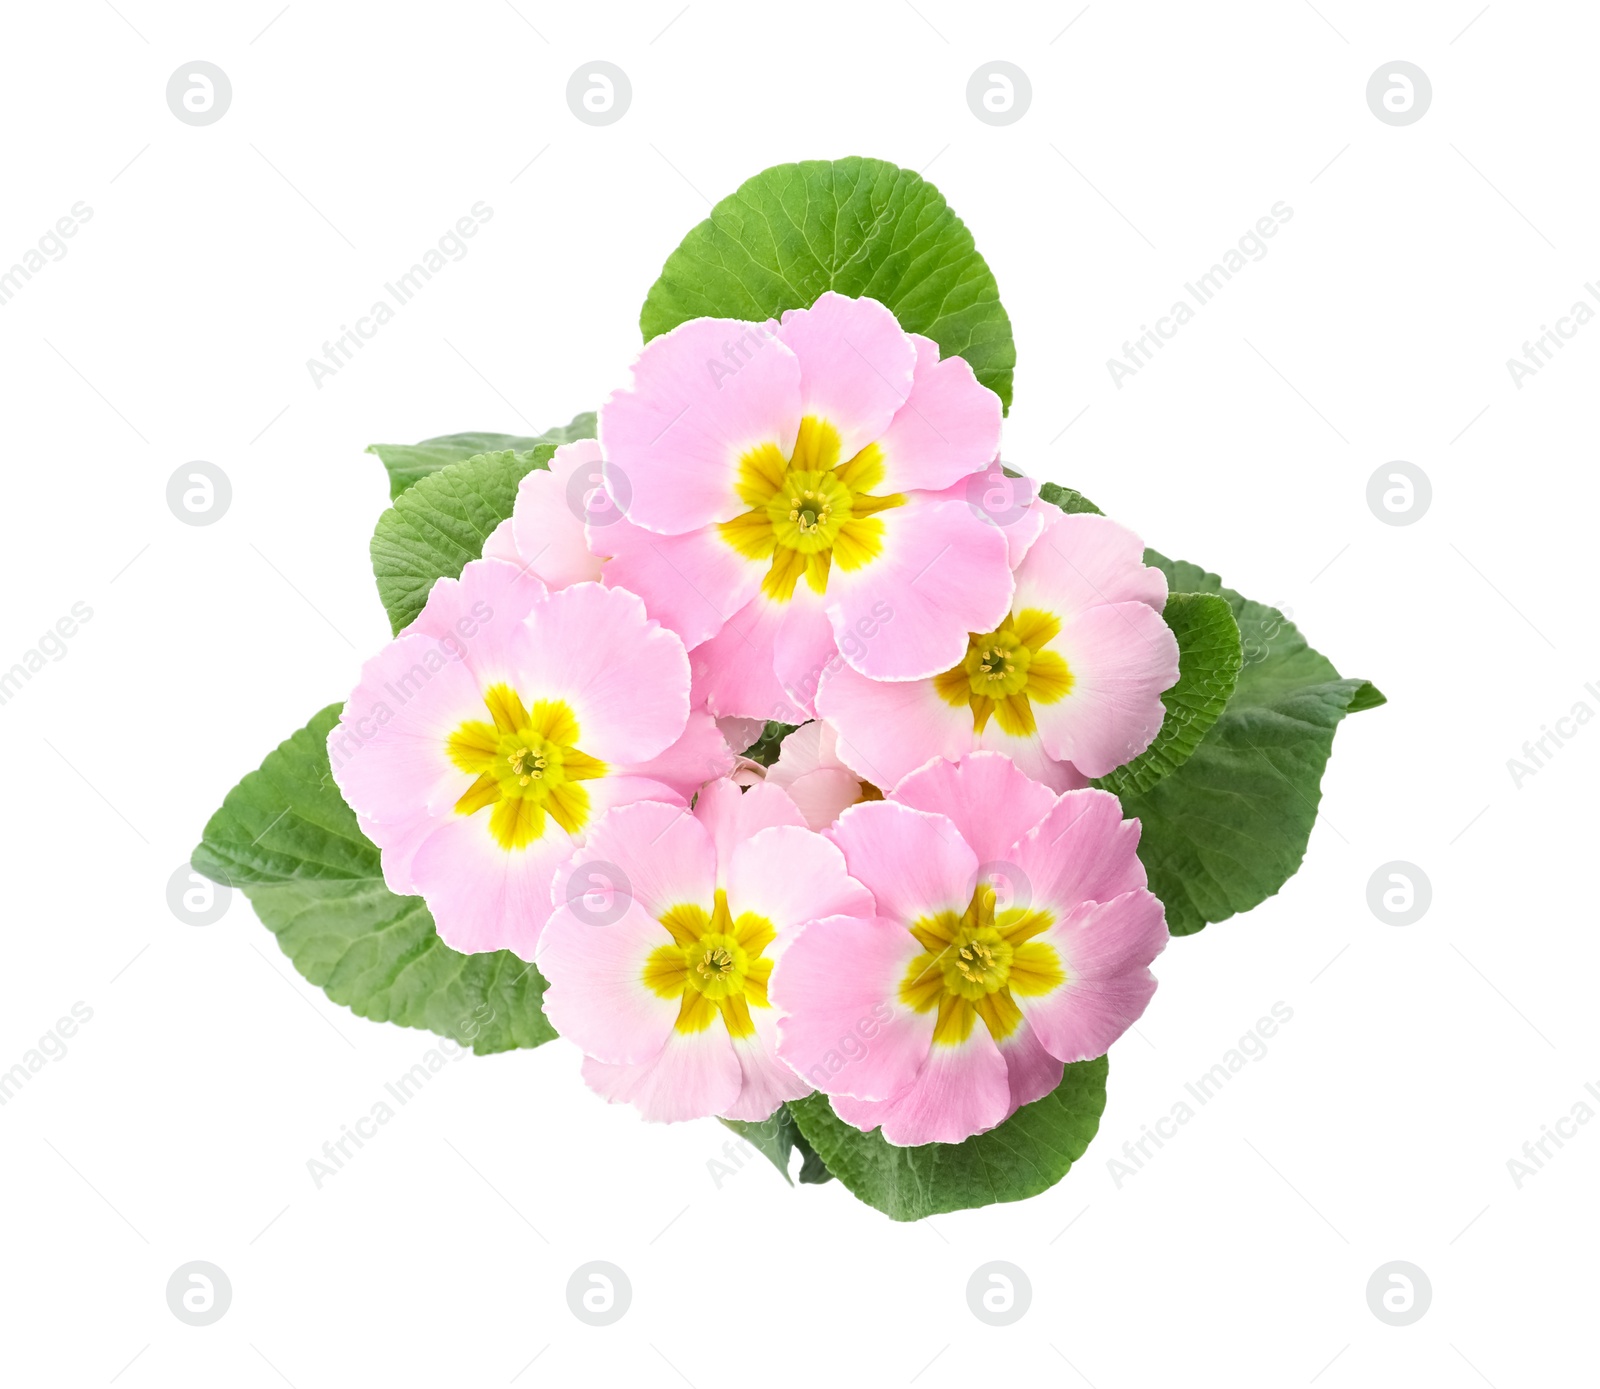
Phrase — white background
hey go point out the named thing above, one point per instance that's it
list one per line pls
(1419, 1059)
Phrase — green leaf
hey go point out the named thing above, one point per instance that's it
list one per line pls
(285, 837)
(434, 528)
(410, 463)
(775, 1138)
(813, 1170)
(1067, 499)
(861, 227)
(1209, 657)
(1027, 1154)
(1230, 826)
(769, 746)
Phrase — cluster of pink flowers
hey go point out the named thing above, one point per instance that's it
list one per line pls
(921, 908)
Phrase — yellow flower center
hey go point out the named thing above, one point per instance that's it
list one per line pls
(527, 765)
(974, 965)
(713, 964)
(809, 511)
(1007, 670)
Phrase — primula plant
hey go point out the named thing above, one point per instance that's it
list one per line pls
(766, 738)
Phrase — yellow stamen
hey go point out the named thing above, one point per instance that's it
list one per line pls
(809, 511)
(715, 965)
(1007, 671)
(527, 767)
(975, 963)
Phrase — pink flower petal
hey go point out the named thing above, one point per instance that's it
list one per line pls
(700, 755)
(548, 524)
(906, 614)
(694, 1076)
(823, 795)
(809, 770)
(844, 1030)
(805, 750)
(959, 1091)
(790, 876)
(594, 648)
(1011, 504)
(1122, 656)
(889, 728)
(1083, 560)
(1033, 1073)
(913, 863)
(502, 545)
(484, 897)
(742, 734)
(691, 583)
(702, 395)
(1024, 530)
(399, 843)
(990, 802)
(767, 1081)
(733, 671)
(1104, 948)
(1027, 751)
(597, 996)
(730, 816)
(388, 751)
(1082, 851)
(948, 427)
(803, 647)
(856, 366)
(472, 618)
(654, 853)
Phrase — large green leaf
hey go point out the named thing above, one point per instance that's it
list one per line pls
(1227, 829)
(861, 227)
(1027, 1154)
(410, 463)
(775, 1138)
(1209, 656)
(286, 838)
(434, 528)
